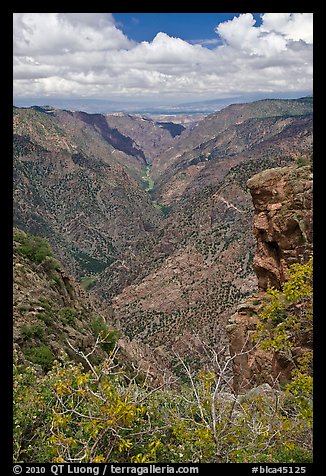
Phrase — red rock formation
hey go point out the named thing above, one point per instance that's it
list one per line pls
(282, 198)
(282, 225)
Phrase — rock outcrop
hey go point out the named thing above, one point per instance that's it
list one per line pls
(282, 225)
(282, 198)
(251, 366)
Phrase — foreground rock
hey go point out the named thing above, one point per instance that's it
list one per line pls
(282, 198)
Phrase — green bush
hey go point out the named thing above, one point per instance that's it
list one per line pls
(25, 308)
(87, 282)
(286, 317)
(294, 455)
(32, 247)
(50, 263)
(302, 161)
(68, 314)
(109, 337)
(34, 330)
(48, 314)
(47, 317)
(47, 303)
(68, 410)
(165, 210)
(288, 313)
(41, 355)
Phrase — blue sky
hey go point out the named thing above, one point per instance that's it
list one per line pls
(191, 27)
(162, 57)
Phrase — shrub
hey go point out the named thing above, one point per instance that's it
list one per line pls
(47, 303)
(69, 411)
(46, 317)
(286, 318)
(87, 282)
(41, 355)
(35, 248)
(34, 330)
(165, 210)
(109, 337)
(68, 314)
(287, 314)
(302, 161)
(25, 308)
(294, 455)
(50, 263)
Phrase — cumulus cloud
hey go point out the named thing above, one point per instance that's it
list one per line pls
(62, 33)
(87, 54)
(294, 26)
(272, 37)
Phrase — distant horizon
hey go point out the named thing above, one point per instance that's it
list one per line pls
(96, 105)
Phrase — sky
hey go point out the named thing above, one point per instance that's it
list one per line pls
(161, 57)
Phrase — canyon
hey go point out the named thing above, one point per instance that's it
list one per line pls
(156, 217)
(162, 297)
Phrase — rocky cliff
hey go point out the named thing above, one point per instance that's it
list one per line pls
(73, 187)
(282, 226)
(282, 198)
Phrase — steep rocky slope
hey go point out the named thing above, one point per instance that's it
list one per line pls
(276, 141)
(283, 229)
(77, 132)
(200, 267)
(237, 132)
(220, 121)
(51, 314)
(71, 187)
(150, 136)
(49, 307)
(208, 162)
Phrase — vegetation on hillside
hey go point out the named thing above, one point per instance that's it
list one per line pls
(35, 248)
(286, 325)
(49, 309)
(96, 413)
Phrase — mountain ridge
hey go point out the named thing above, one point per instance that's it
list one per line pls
(215, 125)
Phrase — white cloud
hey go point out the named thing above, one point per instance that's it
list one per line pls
(86, 54)
(63, 33)
(294, 26)
(272, 37)
(239, 33)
